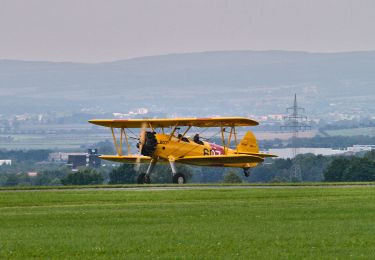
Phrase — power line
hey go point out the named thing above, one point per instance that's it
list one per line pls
(294, 122)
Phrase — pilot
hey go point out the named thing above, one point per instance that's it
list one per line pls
(197, 140)
(184, 139)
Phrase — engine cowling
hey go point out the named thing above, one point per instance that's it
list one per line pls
(150, 143)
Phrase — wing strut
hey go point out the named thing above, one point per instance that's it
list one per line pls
(183, 135)
(172, 133)
(232, 132)
(126, 140)
(235, 138)
(223, 139)
(119, 152)
(230, 137)
(119, 146)
(150, 125)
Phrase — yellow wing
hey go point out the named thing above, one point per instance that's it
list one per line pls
(219, 160)
(126, 159)
(261, 155)
(156, 123)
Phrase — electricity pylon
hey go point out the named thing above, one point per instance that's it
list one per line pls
(294, 122)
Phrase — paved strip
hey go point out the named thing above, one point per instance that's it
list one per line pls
(183, 187)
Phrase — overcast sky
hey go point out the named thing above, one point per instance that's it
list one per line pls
(105, 30)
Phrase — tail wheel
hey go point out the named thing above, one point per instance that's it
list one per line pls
(246, 172)
(179, 178)
(143, 179)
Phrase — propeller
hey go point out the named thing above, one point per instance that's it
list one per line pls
(142, 140)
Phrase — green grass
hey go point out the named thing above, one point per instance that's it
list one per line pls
(274, 223)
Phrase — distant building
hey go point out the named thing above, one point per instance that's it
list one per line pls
(361, 148)
(89, 159)
(59, 157)
(285, 153)
(139, 111)
(5, 162)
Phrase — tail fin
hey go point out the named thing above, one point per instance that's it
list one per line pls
(248, 144)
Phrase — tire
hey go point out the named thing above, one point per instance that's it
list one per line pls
(179, 178)
(246, 172)
(143, 179)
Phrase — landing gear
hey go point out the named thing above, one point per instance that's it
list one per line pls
(246, 172)
(143, 178)
(179, 178)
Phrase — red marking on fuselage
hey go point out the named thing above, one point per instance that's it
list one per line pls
(216, 149)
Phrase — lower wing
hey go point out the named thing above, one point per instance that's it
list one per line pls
(126, 159)
(220, 160)
(261, 155)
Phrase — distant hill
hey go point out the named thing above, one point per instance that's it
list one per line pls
(207, 83)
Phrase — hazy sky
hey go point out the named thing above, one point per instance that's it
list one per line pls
(104, 30)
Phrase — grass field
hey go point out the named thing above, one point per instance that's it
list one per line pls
(277, 223)
(58, 141)
(369, 131)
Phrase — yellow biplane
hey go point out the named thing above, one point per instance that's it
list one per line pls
(155, 144)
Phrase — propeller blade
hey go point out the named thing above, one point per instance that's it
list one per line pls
(142, 140)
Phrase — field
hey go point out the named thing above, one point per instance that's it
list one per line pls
(57, 141)
(369, 131)
(276, 223)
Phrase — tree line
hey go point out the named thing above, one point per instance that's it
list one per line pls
(312, 169)
(351, 169)
(25, 155)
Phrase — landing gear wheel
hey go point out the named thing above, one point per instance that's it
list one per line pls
(246, 172)
(143, 179)
(179, 178)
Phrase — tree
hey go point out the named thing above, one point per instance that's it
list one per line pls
(335, 171)
(12, 180)
(83, 177)
(25, 155)
(278, 169)
(312, 166)
(162, 174)
(208, 174)
(360, 169)
(370, 155)
(105, 147)
(123, 174)
(351, 169)
(232, 177)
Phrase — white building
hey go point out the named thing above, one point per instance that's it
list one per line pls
(5, 162)
(361, 148)
(285, 153)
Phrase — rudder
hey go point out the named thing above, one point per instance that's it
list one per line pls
(248, 144)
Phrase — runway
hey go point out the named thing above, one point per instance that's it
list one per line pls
(189, 187)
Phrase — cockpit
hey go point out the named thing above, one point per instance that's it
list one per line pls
(183, 138)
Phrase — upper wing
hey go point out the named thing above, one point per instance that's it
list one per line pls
(155, 123)
(218, 160)
(126, 159)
